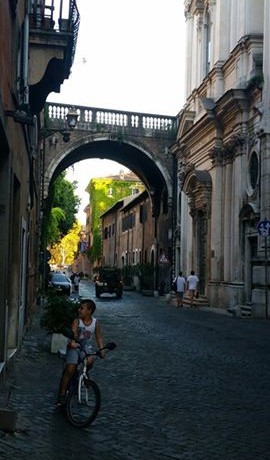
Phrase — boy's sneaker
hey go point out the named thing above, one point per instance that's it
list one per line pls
(61, 400)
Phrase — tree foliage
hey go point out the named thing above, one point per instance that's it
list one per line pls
(61, 207)
(63, 253)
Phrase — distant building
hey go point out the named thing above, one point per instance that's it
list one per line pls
(103, 193)
(129, 237)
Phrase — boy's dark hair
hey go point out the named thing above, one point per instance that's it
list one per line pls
(90, 304)
(192, 272)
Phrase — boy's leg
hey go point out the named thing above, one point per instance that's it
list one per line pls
(178, 299)
(67, 374)
(181, 295)
(191, 293)
(90, 362)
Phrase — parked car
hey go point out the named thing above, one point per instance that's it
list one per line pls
(59, 283)
(109, 280)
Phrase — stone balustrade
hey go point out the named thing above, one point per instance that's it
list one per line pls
(98, 119)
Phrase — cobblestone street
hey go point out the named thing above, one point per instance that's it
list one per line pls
(182, 384)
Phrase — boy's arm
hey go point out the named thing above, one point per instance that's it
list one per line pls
(74, 327)
(99, 338)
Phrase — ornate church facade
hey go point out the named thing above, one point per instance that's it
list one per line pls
(222, 152)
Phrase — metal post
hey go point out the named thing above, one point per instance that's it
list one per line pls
(266, 276)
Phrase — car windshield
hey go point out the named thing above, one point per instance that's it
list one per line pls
(59, 277)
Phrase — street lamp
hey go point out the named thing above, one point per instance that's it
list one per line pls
(71, 122)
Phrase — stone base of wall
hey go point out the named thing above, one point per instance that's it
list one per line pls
(259, 309)
(231, 295)
(226, 295)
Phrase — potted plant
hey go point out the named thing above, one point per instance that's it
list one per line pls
(59, 312)
(145, 273)
(127, 276)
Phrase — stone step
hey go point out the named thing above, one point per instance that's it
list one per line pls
(243, 311)
(201, 301)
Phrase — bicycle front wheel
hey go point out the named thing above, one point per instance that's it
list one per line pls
(83, 404)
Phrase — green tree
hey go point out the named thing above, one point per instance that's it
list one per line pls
(61, 207)
(63, 253)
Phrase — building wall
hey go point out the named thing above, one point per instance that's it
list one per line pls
(222, 140)
(21, 164)
(17, 199)
(131, 237)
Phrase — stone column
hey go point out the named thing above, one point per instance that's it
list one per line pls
(227, 221)
(265, 133)
(217, 224)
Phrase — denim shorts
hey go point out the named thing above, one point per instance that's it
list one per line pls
(72, 356)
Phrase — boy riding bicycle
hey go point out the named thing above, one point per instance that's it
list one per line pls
(85, 327)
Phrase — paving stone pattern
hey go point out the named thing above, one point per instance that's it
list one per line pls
(182, 384)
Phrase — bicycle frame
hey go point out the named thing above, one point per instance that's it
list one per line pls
(83, 397)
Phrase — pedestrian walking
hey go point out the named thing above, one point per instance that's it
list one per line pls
(75, 280)
(180, 282)
(193, 283)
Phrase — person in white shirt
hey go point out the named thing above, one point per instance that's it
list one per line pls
(180, 289)
(193, 282)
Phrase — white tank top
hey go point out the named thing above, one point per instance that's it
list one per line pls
(86, 332)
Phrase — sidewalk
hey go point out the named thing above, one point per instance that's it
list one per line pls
(27, 365)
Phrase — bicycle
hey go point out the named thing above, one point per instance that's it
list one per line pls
(83, 398)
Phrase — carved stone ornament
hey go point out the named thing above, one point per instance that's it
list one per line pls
(183, 170)
(227, 151)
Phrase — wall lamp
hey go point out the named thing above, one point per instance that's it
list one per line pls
(21, 115)
(71, 122)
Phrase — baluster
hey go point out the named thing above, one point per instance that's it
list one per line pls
(94, 116)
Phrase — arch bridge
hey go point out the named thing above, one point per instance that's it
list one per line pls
(139, 141)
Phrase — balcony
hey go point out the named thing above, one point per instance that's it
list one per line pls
(53, 32)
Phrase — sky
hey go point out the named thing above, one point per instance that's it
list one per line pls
(130, 55)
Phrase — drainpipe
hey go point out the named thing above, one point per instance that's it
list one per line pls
(26, 54)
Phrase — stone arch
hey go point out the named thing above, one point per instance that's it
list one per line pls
(148, 166)
(197, 185)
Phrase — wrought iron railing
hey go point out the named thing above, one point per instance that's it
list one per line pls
(57, 16)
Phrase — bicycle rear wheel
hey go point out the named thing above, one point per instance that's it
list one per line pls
(81, 411)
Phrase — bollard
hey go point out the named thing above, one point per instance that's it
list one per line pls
(8, 420)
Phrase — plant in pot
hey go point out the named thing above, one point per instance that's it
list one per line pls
(127, 276)
(145, 273)
(59, 312)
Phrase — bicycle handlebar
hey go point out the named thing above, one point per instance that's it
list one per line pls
(70, 335)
